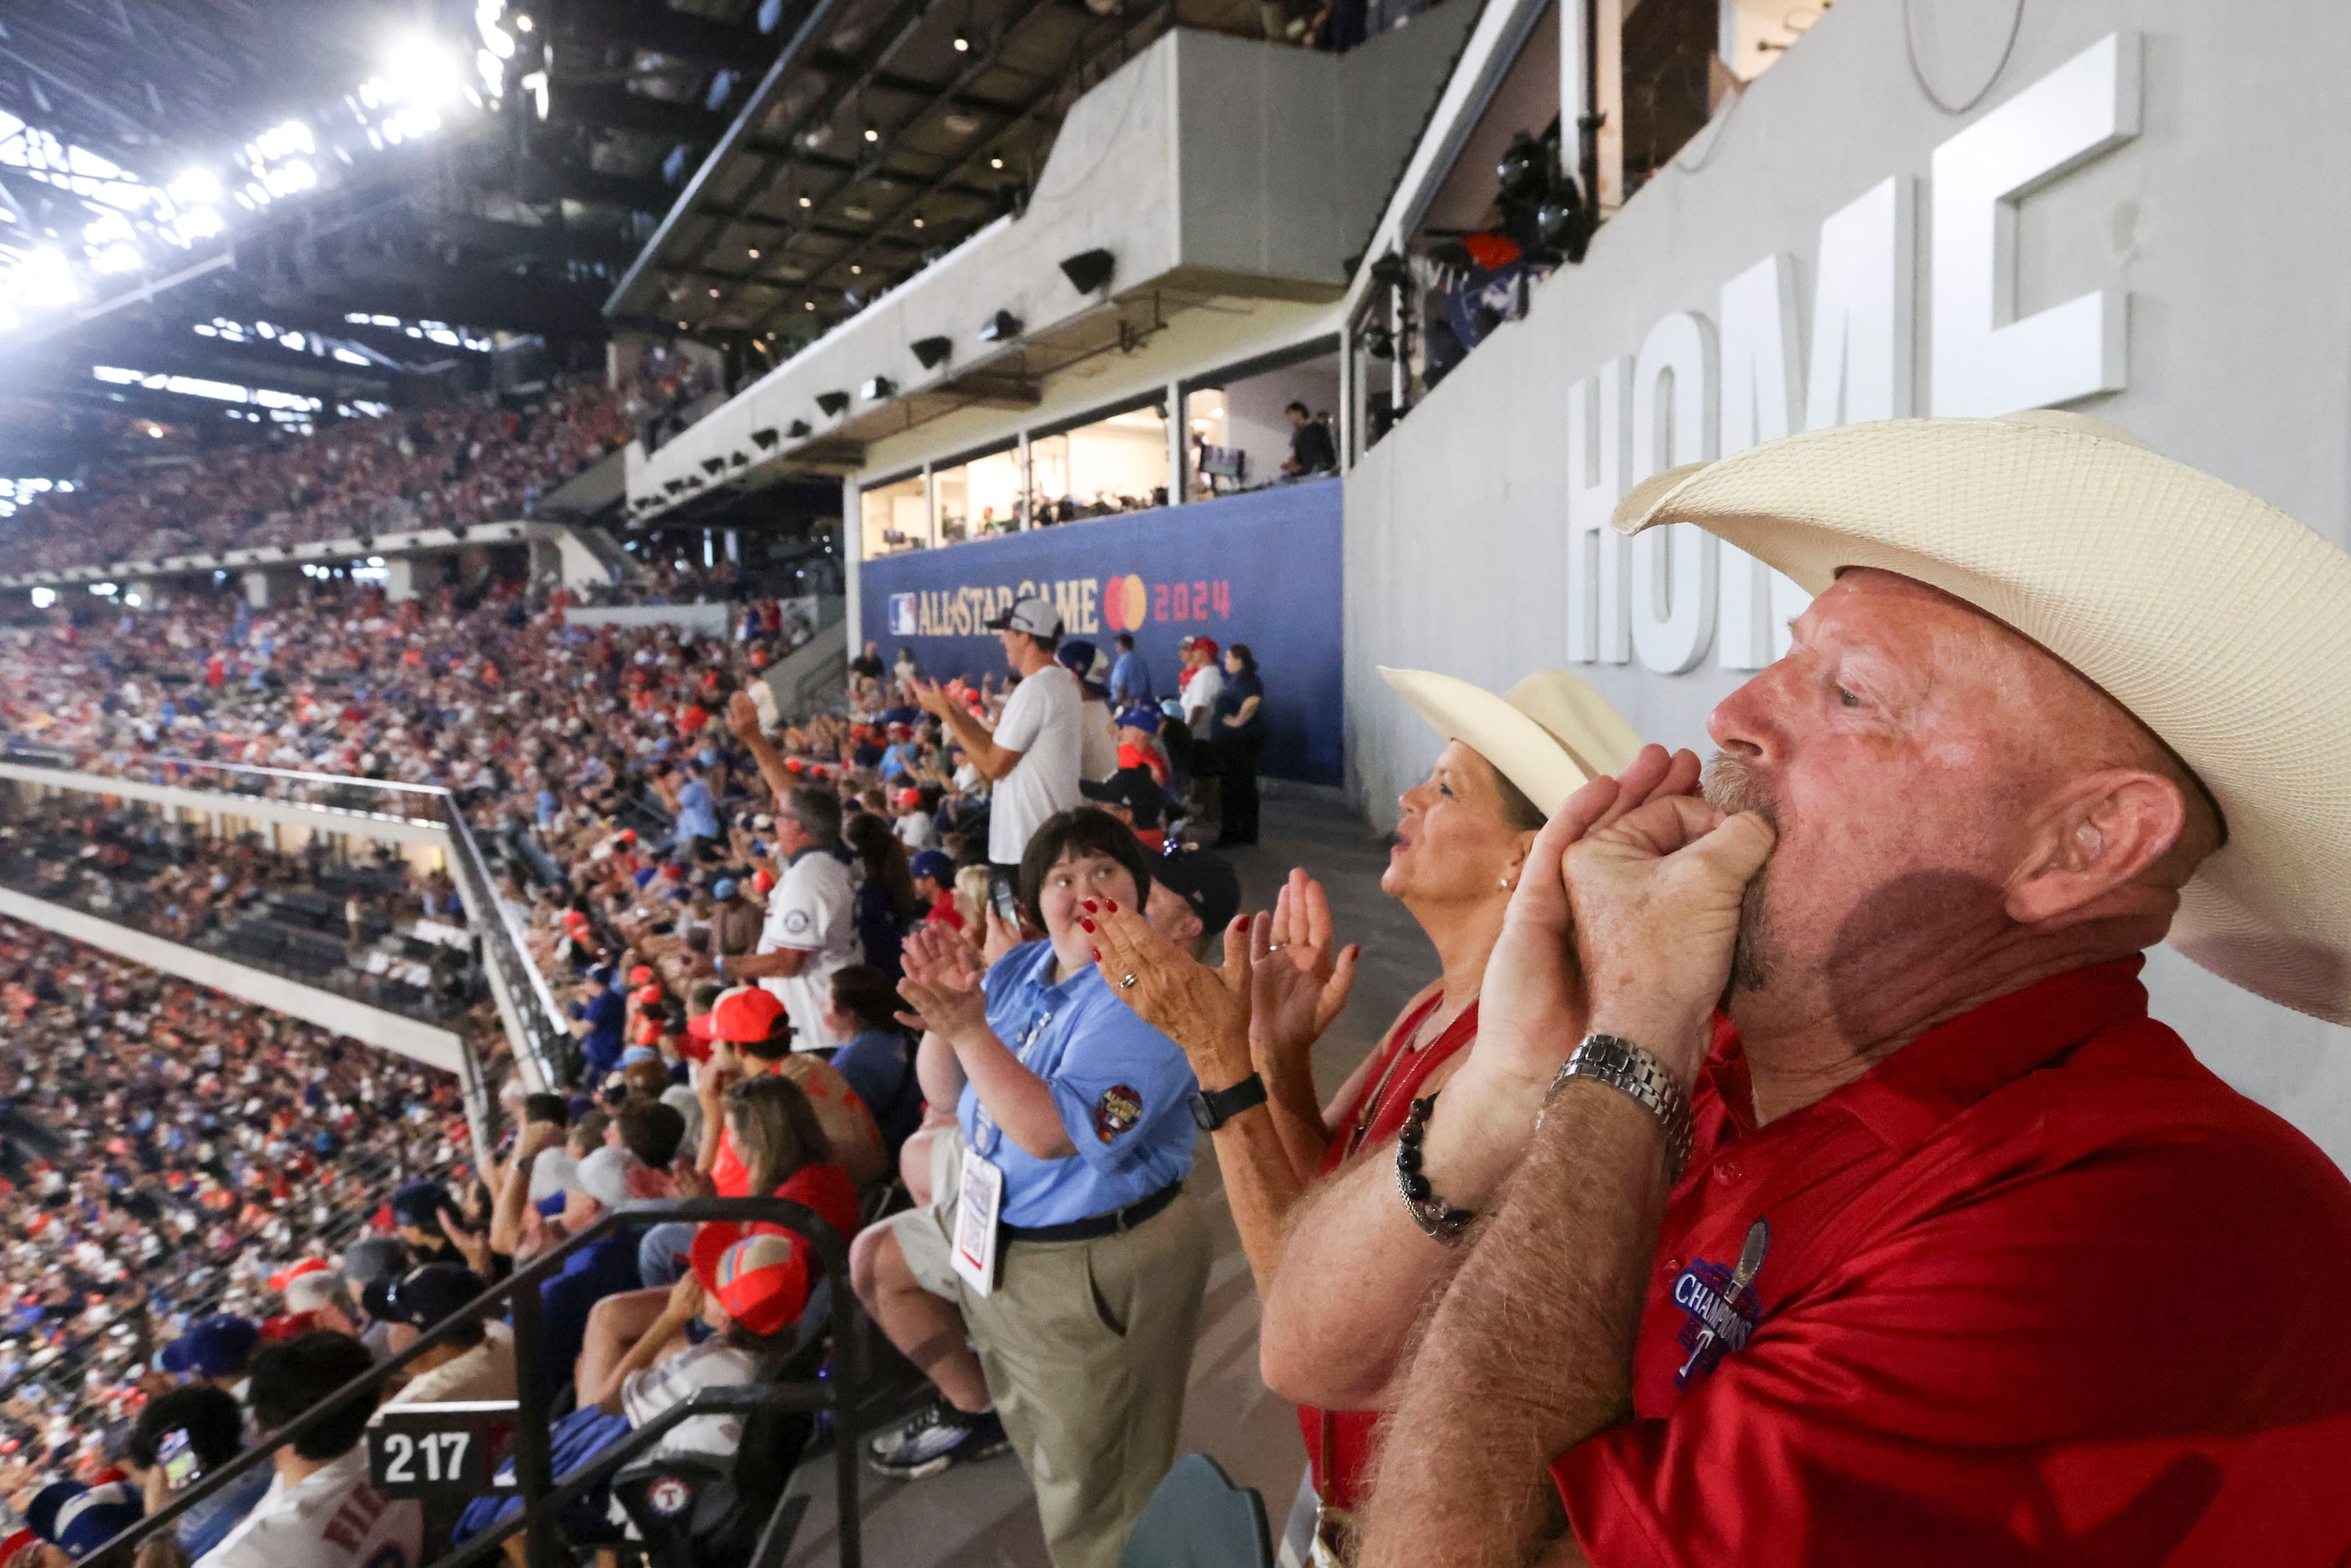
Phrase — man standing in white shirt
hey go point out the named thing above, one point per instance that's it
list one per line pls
(320, 1511)
(1204, 682)
(1034, 755)
(810, 932)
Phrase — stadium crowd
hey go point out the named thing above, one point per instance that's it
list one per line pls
(661, 842)
(471, 461)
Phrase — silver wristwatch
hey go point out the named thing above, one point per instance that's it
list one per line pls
(1641, 1077)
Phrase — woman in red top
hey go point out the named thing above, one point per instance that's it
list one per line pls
(1459, 846)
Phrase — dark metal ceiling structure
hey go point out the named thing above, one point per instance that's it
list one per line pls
(885, 133)
(515, 220)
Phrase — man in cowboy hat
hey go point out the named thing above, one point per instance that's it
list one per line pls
(1930, 1246)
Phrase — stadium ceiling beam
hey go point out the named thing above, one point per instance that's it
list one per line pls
(677, 34)
(578, 182)
(878, 230)
(876, 165)
(836, 66)
(901, 21)
(615, 108)
(546, 242)
(822, 163)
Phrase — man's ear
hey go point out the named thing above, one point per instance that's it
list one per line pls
(2103, 835)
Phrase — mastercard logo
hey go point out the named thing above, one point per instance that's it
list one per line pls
(1127, 604)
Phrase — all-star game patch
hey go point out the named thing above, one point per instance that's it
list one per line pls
(1117, 1111)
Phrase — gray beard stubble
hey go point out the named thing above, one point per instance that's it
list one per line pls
(1730, 786)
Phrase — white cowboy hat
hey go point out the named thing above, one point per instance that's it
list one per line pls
(1550, 735)
(2220, 623)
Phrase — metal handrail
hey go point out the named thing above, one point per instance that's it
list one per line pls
(533, 1425)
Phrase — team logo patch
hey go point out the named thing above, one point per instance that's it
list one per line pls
(1117, 1111)
(1718, 1305)
(668, 1496)
(796, 922)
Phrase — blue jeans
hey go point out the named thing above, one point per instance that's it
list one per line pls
(661, 1256)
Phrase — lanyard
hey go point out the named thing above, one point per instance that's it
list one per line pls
(986, 1135)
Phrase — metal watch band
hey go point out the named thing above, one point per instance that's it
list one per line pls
(1439, 1218)
(1640, 1078)
(1210, 1112)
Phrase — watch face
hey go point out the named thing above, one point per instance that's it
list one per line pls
(1203, 1116)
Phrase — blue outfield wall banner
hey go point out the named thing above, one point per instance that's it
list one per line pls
(1260, 568)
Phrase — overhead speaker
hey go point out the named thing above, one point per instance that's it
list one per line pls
(1002, 327)
(879, 390)
(713, 464)
(832, 403)
(1089, 270)
(932, 351)
(799, 429)
(765, 436)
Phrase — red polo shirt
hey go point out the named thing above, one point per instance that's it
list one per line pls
(2039, 1288)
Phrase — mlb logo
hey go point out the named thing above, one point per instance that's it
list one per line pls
(902, 614)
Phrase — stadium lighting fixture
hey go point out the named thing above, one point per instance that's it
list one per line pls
(754, 254)
(995, 163)
(878, 389)
(932, 351)
(1002, 327)
(832, 403)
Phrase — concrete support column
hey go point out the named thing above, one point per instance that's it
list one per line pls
(930, 506)
(1024, 511)
(1179, 446)
(399, 578)
(264, 585)
(853, 553)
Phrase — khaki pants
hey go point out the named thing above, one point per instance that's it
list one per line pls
(1087, 1346)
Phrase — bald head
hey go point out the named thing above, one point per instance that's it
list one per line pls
(1957, 808)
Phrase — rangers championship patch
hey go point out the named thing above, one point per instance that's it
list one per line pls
(1117, 1111)
(1719, 1307)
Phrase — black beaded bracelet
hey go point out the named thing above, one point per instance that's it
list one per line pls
(1431, 1213)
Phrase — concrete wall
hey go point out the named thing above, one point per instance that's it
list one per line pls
(1210, 163)
(701, 619)
(2221, 220)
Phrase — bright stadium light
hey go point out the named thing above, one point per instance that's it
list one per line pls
(44, 597)
(196, 188)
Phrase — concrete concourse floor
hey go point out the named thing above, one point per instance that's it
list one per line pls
(982, 1516)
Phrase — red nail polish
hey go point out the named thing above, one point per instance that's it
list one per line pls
(1087, 905)
(1112, 904)
(1086, 925)
(1097, 952)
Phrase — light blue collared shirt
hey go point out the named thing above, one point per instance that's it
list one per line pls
(1123, 1090)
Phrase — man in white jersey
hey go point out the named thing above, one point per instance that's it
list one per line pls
(1034, 754)
(809, 933)
(320, 1511)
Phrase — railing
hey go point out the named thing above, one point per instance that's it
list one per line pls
(540, 1034)
(846, 1393)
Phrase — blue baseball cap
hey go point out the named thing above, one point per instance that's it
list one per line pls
(419, 1203)
(215, 1346)
(80, 1518)
(1140, 717)
(934, 864)
(723, 889)
(636, 1054)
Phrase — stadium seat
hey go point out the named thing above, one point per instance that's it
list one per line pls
(1199, 1519)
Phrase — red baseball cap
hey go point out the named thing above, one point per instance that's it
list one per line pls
(761, 1279)
(745, 1016)
(286, 1276)
(640, 974)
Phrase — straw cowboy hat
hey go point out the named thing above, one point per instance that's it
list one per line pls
(1550, 735)
(2220, 623)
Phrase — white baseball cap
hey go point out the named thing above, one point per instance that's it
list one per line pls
(1032, 615)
